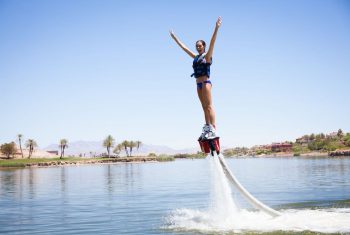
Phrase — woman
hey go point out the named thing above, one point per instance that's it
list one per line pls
(201, 67)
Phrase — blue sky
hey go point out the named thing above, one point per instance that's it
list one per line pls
(84, 69)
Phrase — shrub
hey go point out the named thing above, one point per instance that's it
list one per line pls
(9, 149)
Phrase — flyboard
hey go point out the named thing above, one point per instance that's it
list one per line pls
(212, 146)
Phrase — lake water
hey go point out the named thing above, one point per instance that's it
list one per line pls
(181, 197)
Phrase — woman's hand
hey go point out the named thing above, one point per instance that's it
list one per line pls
(212, 41)
(188, 51)
(218, 22)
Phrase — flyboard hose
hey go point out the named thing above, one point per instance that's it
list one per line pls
(252, 200)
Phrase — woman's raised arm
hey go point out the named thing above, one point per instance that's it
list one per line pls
(183, 46)
(212, 41)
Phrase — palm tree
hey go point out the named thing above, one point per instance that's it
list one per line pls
(125, 143)
(312, 137)
(63, 145)
(340, 134)
(31, 144)
(20, 143)
(118, 149)
(108, 143)
(132, 144)
(139, 143)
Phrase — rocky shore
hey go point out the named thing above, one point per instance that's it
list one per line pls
(309, 154)
(115, 160)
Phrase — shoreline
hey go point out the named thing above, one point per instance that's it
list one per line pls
(47, 162)
(310, 154)
(286, 154)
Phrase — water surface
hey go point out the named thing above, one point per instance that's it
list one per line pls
(163, 198)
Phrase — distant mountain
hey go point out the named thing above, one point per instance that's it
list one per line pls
(92, 148)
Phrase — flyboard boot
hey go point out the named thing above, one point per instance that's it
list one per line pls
(208, 140)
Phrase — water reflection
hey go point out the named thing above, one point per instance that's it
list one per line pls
(18, 182)
(110, 181)
(31, 182)
(122, 178)
(63, 181)
(8, 182)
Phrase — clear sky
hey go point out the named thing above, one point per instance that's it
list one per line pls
(84, 69)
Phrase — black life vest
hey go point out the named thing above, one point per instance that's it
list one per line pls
(200, 66)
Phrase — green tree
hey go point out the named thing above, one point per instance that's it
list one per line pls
(63, 145)
(139, 143)
(20, 143)
(347, 140)
(31, 144)
(8, 149)
(118, 149)
(318, 137)
(312, 137)
(320, 145)
(132, 144)
(108, 143)
(125, 144)
(228, 152)
(332, 145)
(297, 148)
(312, 146)
(340, 134)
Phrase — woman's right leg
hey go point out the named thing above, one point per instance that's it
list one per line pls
(202, 100)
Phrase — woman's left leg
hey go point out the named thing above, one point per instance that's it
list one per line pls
(208, 104)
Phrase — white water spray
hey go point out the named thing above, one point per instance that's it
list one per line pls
(223, 214)
(222, 207)
(250, 198)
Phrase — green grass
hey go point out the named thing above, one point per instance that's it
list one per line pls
(164, 158)
(23, 162)
(190, 156)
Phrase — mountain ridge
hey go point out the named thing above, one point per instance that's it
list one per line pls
(95, 148)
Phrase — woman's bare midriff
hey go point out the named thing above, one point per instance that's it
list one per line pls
(202, 79)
